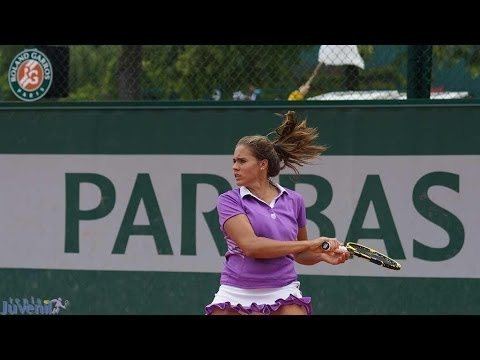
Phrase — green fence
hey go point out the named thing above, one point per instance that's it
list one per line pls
(243, 72)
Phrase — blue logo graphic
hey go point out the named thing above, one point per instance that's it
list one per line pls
(33, 306)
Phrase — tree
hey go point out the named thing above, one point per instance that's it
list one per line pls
(450, 55)
(93, 72)
(192, 72)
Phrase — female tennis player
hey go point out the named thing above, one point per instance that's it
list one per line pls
(264, 225)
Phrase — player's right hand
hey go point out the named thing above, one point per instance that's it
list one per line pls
(325, 244)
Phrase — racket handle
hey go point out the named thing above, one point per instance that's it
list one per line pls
(315, 72)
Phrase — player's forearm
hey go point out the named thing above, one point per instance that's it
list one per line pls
(308, 257)
(264, 248)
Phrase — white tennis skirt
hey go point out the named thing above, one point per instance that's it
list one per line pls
(264, 301)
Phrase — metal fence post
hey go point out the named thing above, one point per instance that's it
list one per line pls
(419, 71)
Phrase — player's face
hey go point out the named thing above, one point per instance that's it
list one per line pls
(246, 168)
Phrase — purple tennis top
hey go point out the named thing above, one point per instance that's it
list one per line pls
(279, 220)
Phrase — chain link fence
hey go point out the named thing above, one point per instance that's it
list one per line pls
(242, 72)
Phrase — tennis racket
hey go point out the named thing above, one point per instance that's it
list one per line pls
(370, 254)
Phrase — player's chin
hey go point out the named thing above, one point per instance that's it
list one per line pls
(239, 182)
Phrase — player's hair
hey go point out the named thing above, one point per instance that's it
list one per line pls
(293, 145)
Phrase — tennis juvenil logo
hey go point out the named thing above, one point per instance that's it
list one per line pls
(33, 306)
(30, 75)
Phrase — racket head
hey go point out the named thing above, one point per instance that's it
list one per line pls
(372, 255)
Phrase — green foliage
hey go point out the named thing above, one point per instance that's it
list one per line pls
(93, 72)
(447, 56)
(159, 72)
(366, 51)
(192, 72)
(391, 76)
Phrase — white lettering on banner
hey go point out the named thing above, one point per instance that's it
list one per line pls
(35, 226)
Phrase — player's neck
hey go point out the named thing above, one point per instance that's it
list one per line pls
(263, 189)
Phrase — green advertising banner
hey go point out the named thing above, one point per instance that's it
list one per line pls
(110, 209)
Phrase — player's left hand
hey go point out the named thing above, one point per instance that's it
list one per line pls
(335, 257)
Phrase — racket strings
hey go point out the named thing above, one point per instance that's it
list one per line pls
(384, 259)
(376, 256)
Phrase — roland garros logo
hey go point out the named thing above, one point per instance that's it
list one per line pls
(30, 75)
